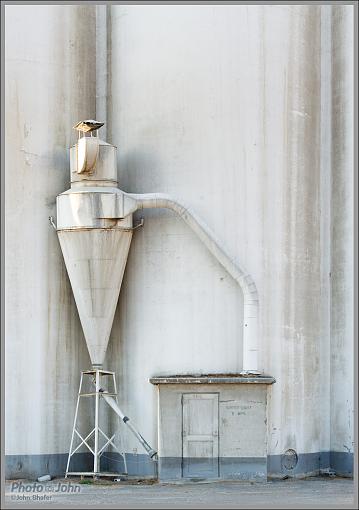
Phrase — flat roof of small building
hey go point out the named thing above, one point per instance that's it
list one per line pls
(212, 379)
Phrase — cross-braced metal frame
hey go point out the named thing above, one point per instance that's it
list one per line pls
(96, 451)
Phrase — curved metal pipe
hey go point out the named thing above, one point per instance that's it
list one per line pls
(240, 275)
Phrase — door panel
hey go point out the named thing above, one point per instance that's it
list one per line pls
(200, 435)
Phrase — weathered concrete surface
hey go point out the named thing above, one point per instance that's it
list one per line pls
(318, 492)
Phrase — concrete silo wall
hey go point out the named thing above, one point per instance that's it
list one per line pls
(231, 109)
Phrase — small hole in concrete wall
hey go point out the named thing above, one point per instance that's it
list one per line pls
(19, 466)
(289, 459)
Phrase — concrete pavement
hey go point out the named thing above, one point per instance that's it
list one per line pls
(311, 492)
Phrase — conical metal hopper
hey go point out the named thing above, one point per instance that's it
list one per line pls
(95, 260)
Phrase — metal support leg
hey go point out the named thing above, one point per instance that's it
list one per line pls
(97, 402)
(73, 428)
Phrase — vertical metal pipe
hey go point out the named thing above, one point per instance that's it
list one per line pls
(101, 66)
(96, 458)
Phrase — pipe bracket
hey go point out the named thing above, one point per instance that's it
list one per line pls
(131, 229)
(51, 220)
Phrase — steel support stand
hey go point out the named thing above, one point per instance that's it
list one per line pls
(93, 439)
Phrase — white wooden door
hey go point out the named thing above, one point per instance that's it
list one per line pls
(200, 435)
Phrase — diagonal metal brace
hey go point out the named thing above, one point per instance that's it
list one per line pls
(83, 441)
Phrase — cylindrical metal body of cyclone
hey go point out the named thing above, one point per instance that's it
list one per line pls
(95, 236)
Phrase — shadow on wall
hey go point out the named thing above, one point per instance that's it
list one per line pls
(138, 172)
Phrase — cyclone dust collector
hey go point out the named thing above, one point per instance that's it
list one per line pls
(95, 228)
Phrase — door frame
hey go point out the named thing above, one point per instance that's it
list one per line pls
(218, 436)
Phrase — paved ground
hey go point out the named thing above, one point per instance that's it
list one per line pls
(311, 492)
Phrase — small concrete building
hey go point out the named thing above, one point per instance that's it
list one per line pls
(212, 427)
(245, 113)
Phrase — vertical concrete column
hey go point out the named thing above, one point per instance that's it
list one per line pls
(50, 84)
(295, 407)
(342, 240)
